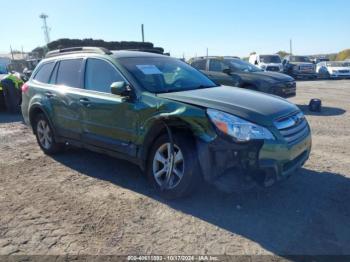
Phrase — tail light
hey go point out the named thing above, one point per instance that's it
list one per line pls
(25, 87)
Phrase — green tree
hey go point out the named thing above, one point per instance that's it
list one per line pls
(282, 53)
(345, 54)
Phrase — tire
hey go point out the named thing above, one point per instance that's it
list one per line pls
(176, 186)
(44, 136)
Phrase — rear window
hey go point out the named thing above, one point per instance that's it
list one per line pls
(44, 73)
(69, 73)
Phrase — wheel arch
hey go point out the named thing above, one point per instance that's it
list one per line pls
(159, 127)
(34, 111)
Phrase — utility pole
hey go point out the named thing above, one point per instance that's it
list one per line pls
(207, 52)
(12, 53)
(290, 47)
(143, 33)
(45, 28)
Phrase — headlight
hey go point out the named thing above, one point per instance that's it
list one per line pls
(238, 128)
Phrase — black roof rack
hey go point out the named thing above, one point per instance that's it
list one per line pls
(82, 49)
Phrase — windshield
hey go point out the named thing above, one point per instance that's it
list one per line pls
(300, 59)
(267, 59)
(239, 65)
(338, 64)
(165, 74)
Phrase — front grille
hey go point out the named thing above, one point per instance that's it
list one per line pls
(344, 71)
(273, 68)
(293, 128)
(291, 84)
(306, 68)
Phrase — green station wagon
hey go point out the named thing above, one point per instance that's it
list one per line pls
(165, 116)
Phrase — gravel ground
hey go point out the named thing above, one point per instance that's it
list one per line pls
(85, 203)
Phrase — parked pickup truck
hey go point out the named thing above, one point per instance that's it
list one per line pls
(299, 67)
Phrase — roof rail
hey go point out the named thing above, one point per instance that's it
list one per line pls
(82, 49)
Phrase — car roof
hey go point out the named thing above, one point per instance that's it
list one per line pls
(215, 57)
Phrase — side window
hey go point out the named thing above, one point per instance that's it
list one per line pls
(44, 73)
(99, 75)
(216, 65)
(200, 64)
(69, 73)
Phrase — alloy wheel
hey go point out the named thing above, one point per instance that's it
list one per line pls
(44, 134)
(168, 169)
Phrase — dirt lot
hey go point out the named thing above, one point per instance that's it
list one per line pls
(85, 203)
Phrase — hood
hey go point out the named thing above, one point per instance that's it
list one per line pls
(338, 68)
(268, 76)
(253, 106)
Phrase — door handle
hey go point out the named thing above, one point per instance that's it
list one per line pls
(84, 101)
(49, 95)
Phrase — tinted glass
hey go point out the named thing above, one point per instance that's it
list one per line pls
(270, 59)
(165, 74)
(44, 73)
(3, 69)
(216, 65)
(99, 75)
(239, 65)
(199, 64)
(69, 73)
(300, 59)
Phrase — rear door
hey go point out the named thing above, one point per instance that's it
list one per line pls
(41, 88)
(108, 120)
(67, 77)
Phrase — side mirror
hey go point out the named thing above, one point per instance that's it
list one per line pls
(120, 88)
(227, 71)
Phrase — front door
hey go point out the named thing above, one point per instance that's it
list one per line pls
(108, 121)
(216, 68)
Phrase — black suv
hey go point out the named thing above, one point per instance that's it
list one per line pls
(233, 71)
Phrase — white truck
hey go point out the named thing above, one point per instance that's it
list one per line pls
(267, 62)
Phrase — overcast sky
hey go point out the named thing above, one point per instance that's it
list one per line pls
(225, 27)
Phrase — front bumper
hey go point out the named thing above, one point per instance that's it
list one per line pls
(340, 75)
(266, 162)
(285, 90)
(279, 161)
(304, 75)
